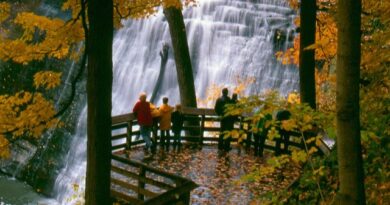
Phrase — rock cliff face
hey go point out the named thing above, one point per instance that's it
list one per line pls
(21, 153)
(43, 167)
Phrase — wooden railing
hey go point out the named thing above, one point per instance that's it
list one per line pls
(202, 126)
(133, 182)
(206, 129)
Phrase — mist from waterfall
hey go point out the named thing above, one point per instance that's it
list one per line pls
(228, 39)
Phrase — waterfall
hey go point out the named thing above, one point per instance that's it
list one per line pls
(227, 38)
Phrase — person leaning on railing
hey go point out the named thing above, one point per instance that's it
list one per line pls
(144, 116)
(165, 122)
(227, 123)
(177, 125)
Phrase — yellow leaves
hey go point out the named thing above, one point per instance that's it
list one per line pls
(240, 135)
(137, 9)
(40, 37)
(294, 4)
(47, 79)
(291, 55)
(5, 9)
(293, 98)
(72, 5)
(273, 133)
(289, 125)
(172, 3)
(312, 150)
(299, 156)
(278, 161)
(4, 150)
(326, 40)
(24, 114)
(326, 36)
(76, 187)
(30, 21)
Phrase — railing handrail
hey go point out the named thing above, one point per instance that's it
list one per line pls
(119, 119)
(148, 168)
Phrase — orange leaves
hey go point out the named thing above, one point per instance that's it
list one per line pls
(172, 3)
(294, 4)
(47, 79)
(291, 55)
(299, 156)
(289, 125)
(326, 36)
(40, 37)
(138, 9)
(24, 114)
(4, 151)
(293, 98)
(5, 9)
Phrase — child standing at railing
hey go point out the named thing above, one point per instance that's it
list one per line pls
(165, 122)
(177, 125)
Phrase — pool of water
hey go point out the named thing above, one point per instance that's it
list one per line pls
(14, 192)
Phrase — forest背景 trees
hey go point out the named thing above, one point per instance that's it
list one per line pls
(373, 81)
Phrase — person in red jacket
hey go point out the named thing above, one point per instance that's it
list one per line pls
(144, 116)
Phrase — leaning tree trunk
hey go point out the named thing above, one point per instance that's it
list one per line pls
(347, 104)
(164, 59)
(182, 56)
(306, 57)
(99, 88)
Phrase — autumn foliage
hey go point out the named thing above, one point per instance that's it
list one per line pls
(374, 83)
(26, 37)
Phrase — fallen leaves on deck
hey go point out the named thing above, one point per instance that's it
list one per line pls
(219, 174)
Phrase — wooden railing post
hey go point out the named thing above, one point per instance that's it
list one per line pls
(155, 132)
(129, 134)
(141, 185)
(185, 198)
(202, 129)
(248, 136)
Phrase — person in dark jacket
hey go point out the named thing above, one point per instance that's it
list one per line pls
(281, 116)
(234, 98)
(260, 136)
(226, 122)
(177, 125)
(144, 116)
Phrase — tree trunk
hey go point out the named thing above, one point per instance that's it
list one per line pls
(347, 104)
(164, 59)
(182, 56)
(99, 88)
(306, 57)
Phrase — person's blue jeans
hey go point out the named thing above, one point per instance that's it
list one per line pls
(145, 133)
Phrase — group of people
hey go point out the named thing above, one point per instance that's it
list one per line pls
(167, 117)
(170, 118)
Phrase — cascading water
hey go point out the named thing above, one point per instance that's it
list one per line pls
(227, 38)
